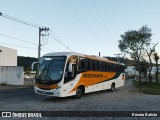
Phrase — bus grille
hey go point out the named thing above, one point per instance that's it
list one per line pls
(45, 92)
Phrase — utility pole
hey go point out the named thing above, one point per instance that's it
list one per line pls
(39, 46)
(118, 57)
(41, 29)
(99, 54)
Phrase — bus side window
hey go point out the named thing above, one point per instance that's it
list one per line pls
(123, 68)
(106, 67)
(82, 63)
(115, 67)
(118, 68)
(103, 66)
(98, 65)
(94, 64)
(109, 67)
(88, 64)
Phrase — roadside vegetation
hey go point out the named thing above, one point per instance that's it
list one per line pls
(138, 44)
(148, 88)
(152, 88)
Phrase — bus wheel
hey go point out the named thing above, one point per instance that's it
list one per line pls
(79, 92)
(112, 87)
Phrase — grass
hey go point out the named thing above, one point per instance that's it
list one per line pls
(148, 88)
(152, 88)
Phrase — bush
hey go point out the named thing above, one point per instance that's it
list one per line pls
(149, 88)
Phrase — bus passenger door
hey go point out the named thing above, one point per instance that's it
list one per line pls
(70, 74)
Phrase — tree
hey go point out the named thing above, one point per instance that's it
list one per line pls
(144, 68)
(26, 62)
(134, 43)
(149, 53)
(156, 58)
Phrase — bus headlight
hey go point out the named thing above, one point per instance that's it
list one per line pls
(57, 88)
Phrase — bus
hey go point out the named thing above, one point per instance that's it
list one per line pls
(63, 74)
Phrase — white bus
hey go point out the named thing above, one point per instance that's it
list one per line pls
(64, 74)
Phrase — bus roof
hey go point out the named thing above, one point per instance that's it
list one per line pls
(83, 55)
(62, 54)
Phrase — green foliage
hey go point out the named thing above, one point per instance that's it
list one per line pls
(144, 67)
(153, 85)
(26, 62)
(156, 58)
(149, 88)
(135, 42)
(152, 88)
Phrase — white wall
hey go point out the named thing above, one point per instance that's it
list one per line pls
(11, 75)
(131, 70)
(154, 69)
(8, 56)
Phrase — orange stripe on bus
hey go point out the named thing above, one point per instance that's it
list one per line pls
(46, 87)
(123, 77)
(90, 78)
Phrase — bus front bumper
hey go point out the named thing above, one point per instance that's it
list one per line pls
(52, 92)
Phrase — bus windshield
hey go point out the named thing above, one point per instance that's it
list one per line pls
(50, 69)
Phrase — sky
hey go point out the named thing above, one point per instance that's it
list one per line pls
(83, 26)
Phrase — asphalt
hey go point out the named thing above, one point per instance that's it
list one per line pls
(126, 98)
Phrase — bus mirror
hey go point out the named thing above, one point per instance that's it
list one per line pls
(33, 66)
(70, 67)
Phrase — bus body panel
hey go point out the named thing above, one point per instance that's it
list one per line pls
(67, 89)
(91, 80)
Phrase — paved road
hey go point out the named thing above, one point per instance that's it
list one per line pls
(126, 98)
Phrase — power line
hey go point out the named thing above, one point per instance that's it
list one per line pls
(105, 31)
(92, 32)
(37, 26)
(30, 24)
(102, 19)
(17, 45)
(47, 49)
(93, 16)
(75, 12)
(19, 20)
(42, 41)
(18, 39)
(21, 41)
(55, 37)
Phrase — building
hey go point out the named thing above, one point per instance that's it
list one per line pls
(130, 70)
(10, 73)
(153, 71)
(8, 56)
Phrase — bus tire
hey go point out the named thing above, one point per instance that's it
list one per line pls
(79, 92)
(112, 87)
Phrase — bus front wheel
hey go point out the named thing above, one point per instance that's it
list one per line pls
(79, 92)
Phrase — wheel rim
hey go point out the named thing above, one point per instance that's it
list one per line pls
(79, 92)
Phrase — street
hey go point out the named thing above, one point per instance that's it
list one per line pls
(126, 98)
